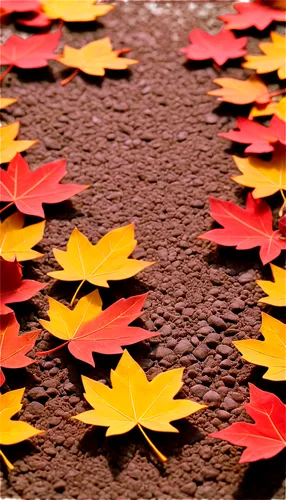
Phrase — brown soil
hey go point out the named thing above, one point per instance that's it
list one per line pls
(146, 141)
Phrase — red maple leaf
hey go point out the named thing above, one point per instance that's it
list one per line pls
(30, 189)
(32, 52)
(108, 332)
(14, 347)
(267, 436)
(12, 288)
(9, 6)
(252, 14)
(35, 19)
(246, 228)
(220, 47)
(259, 137)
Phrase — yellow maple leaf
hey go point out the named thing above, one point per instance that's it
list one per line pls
(8, 146)
(64, 322)
(135, 401)
(267, 177)
(13, 431)
(273, 108)
(241, 91)
(6, 101)
(271, 352)
(94, 58)
(273, 59)
(75, 10)
(276, 290)
(107, 260)
(16, 241)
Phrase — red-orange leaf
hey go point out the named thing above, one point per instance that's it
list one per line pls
(252, 14)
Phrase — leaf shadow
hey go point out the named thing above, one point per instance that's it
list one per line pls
(35, 75)
(85, 26)
(61, 211)
(16, 452)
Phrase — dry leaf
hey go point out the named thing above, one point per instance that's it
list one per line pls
(271, 352)
(134, 401)
(16, 241)
(100, 263)
(8, 146)
(75, 10)
(13, 431)
(273, 59)
(276, 290)
(94, 58)
(6, 101)
(241, 91)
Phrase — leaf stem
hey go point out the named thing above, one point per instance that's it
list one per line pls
(69, 78)
(43, 353)
(7, 462)
(76, 292)
(5, 73)
(277, 92)
(158, 453)
(6, 206)
(284, 203)
(217, 68)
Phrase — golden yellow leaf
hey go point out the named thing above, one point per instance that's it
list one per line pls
(241, 91)
(105, 261)
(8, 146)
(13, 431)
(274, 57)
(75, 10)
(267, 177)
(281, 109)
(94, 58)
(6, 101)
(273, 108)
(271, 352)
(16, 241)
(64, 322)
(135, 401)
(276, 291)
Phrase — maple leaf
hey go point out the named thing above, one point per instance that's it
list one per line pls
(267, 177)
(94, 58)
(273, 108)
(220, 47)
(8, 146)
(266, 437)
(252, 14)
(271, 352)
(6, 101)
(13, 348)
(13, 288)
(30, 189)
(16, 241)
(10, 6)
(105, 261)
(88, 329)
(123, 407)
(13, 431)
(276, 290)
(73, 10)
(32, 52)
(273, 59)
(241, 91)
(245, 228)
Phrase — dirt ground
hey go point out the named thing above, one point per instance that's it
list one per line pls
(146, 141)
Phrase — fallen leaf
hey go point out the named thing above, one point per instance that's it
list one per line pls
(10, 6)
(32, 52)
(252, 14)
(245, 228)
(16, 241)
(241, 91)
(276, 290)
(13, 288)
(14, 347)
(266, 177)
(220, 47)
(105, 261)
(88, 329)
(273, 108)
(30, 189)
(133, 400)
(73, 10)
(271, 352)
(35, 19)
(273, 59)
(9, 147)
(13, 431)
(260, 138)
(94, 58)
(6, 101)
(266, 437)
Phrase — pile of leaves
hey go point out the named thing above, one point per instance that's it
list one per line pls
(85, 327)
